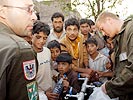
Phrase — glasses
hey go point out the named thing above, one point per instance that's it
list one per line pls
(27, 9)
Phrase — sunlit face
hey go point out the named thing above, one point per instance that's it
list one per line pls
(91, 48)
(58, 24)
(107, 28)
(84, 28)
(54, 53)
(19, 16)
(72, 32)
(63, 67)
(38, 41)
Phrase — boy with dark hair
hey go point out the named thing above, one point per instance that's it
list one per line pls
(44, 75)
(54, 47)
(85, 28)
(70, 81)
(72, 21)
(40, 33)
(97, 61)
(73, 44)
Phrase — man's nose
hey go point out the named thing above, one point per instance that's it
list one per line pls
(34, 17)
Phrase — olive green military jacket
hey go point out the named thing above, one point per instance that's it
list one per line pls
(121, 84)
(17, 67)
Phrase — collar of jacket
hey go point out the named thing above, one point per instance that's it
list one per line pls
(5, 29)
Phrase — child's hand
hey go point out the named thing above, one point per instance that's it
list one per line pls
(51, 96)
(85, 75)
(88, 71)
(108, 66)
(65, 84)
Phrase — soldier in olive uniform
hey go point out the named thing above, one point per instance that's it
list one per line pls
(121, 85)
(17, 63)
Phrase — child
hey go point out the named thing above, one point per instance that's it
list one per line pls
(44, 76)
(55, 49)
(97, 61)
(70, 81)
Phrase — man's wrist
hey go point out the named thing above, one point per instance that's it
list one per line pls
(103, 88)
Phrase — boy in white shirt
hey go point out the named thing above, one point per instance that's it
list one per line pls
(44, 75)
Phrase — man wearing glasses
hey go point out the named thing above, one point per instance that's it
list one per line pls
(17, 63)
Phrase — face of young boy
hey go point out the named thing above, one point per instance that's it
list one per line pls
(63, 67)
(72, 32)
(38, 41)
(54, 53)
(91, 48)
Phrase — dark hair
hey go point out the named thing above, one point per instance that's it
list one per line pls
(90, 41)
(83, 21)
(90, 22)
(64, 57)
(40, 27)
(57, 15)
(53, 44)
(71, 21)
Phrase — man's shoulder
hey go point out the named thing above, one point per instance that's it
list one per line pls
(12, 41)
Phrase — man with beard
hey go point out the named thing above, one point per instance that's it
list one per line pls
(57, 32)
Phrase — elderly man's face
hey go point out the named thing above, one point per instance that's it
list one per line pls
(19, 16)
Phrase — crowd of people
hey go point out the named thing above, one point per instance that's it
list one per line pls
(34, 57)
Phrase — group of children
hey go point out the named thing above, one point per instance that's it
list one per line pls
(59, 63)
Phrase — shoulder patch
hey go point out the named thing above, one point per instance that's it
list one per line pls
(29, 69)
(32, 91)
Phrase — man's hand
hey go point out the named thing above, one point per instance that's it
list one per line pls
(103, 88)
(51, 96)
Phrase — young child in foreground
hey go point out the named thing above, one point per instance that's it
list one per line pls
(70, 79)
